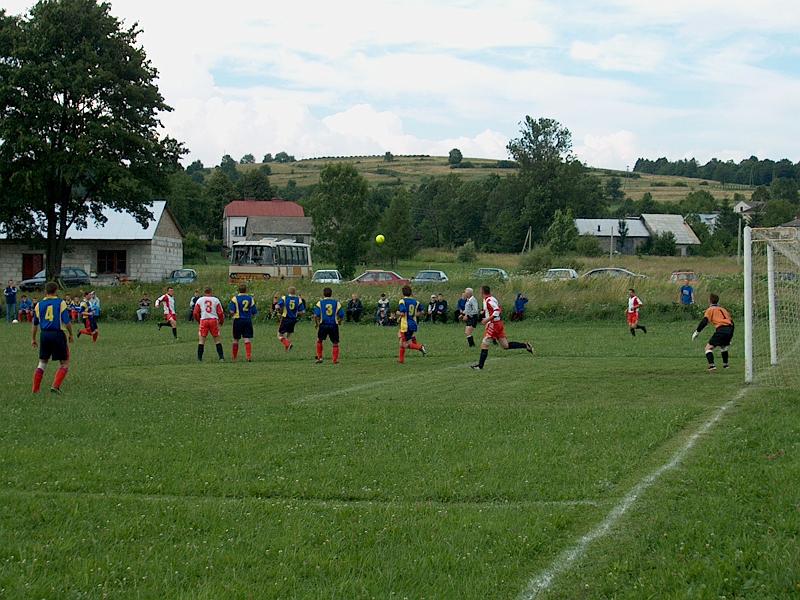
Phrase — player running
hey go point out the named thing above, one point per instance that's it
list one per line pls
(470, 315)
(495, 330)
(407, 310)
(167, 301)
(721, 319)
(328, 315)
(89, 318)
(51, 314)
(290, 307)
(208, 312)
(632, 312)
(242, 308)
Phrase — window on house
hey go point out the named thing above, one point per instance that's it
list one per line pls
(238, 231)
(112, 261)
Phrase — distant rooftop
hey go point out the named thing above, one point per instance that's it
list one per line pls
(276, 207)
(603, 227)
(658, 224)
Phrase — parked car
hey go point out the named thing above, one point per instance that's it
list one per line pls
(683, 277)
(380, 278)
(327, 276)
(560, 275)
(611, 272)
(430, 277)
(182, 276)
(491, 273)
(71, 276)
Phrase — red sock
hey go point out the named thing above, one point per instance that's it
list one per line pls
(285, 342)
(402, 354)
(94, 336)
(37, 379)
(59, 379)
(248, 350)
(235, 350)
(319, 349)
(335, 353)
(415, 345)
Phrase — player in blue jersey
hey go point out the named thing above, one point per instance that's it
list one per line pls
(51, 315)
(328, 314)
(407, 310)
(290, 308)
(243, 308)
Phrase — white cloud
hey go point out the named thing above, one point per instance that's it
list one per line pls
(613, 150)
(621, 53)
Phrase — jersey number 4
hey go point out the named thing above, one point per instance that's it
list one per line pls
(48, 315)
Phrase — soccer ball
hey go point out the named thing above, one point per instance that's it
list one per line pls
(379, 239)
(15, 321)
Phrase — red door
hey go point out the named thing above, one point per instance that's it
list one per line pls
(31, 265)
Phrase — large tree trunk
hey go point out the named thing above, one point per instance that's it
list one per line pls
(57, 225)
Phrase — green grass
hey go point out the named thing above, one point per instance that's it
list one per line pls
(156, 476)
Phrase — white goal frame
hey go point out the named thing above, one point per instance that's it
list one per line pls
(775, 238)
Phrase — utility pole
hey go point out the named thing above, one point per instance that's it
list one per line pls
(611, 247)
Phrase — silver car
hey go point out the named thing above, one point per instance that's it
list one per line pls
(430, 277)
(326, 276)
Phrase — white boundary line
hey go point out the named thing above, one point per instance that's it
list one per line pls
(564, 561)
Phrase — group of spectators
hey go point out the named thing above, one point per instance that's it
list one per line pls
(20, 307)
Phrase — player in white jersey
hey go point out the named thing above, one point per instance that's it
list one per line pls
(495, 330)
(632, 313)
(470, 315)
(167, 301)
(209, 313)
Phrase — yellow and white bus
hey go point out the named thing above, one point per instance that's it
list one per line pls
(257, 260)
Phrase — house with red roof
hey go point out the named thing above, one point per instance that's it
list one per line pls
(257, 219)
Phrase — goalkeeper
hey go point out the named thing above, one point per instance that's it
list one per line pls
(721, 319)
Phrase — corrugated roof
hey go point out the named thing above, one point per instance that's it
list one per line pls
(264, 208)
(658, 224)
(602, 227)
(118, 226)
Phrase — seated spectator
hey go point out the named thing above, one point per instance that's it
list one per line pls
(431, 310)
(440, 309)
(274, 312)
(354, 309)
(460, 306)
(144, 308)
(25, 309)
(382, 316)
(519, 307)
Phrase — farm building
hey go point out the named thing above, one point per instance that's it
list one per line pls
(256, 219)
(675, 224)
(119, 247)
(602, 229)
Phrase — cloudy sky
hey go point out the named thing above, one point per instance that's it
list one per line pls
(629, 78)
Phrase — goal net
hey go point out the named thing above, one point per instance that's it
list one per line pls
(772, 305)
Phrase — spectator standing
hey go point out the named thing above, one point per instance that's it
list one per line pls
(354, 309)
(687, 295)
(470, 315)
(10, 294)
(144, 308)
(94, 302)
(519, 307)
(440, 309)
(192, 302)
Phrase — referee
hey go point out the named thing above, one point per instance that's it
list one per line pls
(470, 316)
(51, 314)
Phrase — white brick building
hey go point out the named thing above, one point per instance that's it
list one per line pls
(121, 246)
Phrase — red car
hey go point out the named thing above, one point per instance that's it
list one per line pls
(380, 278)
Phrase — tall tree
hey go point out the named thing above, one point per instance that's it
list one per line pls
(342, 219)
(396, 224)
(541, 141)
(218, 192)
(267, 158)
(247, 159)
(254, 184)
(455, 157)
(622, 234)
(228, 166)
(79, 123)
(562, 235)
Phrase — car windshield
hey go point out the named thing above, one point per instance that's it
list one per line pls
(427, 275)
(182, 273)
(325, 275)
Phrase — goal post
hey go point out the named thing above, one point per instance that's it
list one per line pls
(772, 305)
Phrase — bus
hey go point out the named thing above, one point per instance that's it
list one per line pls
(257, 260)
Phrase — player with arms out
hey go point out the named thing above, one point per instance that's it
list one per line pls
(89, 318)
(208, 312)
(407, 310)
(495, 330)
(51, 314)
(328, 315)
(721, 319)
(632, 312)
(470, 315)
(167, 301)
(290, 307)
(242, 308)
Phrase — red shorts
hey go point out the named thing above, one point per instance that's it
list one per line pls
(633, 319)
(209, 326)
(495, 330)
(172, 317)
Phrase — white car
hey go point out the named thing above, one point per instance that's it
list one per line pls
(327, 276)
(430, 277)
(560, 275)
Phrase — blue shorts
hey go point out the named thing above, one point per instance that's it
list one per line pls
(53, 344)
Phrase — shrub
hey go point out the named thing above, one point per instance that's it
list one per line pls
(587, 245)
(467, 252)
(540, 258)
(194, 250)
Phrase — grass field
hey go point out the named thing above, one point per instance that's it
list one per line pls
(154, 476)
(408, 170)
